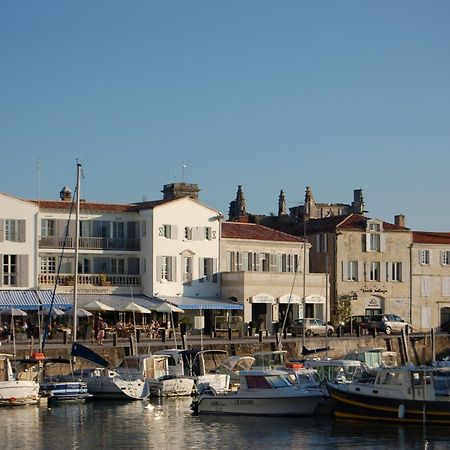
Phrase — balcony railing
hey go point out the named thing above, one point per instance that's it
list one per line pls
(91, 243)
(94, 279)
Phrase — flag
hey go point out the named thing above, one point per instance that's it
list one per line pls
(184, 165)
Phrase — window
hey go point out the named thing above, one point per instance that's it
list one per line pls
(396, 271)
(187, 270)
(424, 257)
(264, 263)
(351, 271)
(48, 264)
(374, 273)
(446, 286)
(166, 268)
(15, 230)
(322, 243)
(117, 266)
(168, 231)
(253, 262)
(374, 242)
(48, 227)
(10, 270)
(118, 230)
(207, 270)
(100, 228)
(445, 258)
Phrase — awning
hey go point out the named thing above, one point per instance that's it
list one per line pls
(30, 299)
(118, 302)
(203, 303)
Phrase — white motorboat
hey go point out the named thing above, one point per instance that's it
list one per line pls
(14, 389)
(200, 365)
(154, 369)
(261, 392)
(104, 383)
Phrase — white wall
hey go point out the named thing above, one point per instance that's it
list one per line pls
(184, 212)
(13, 208)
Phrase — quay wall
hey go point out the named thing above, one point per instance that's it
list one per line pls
(419, 347)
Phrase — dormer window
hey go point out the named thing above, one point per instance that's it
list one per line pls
(373, 239)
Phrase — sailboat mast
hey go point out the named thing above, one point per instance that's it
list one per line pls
(77, 239)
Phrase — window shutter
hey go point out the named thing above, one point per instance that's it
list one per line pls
(173, 268)
(158, 268)
(23, 271)
(201, 270)
(256, 261)
(360, 271)
(382, 242)
(383, 271)
(442, 258)
(173, 232)
(239, 260)
(228, 263)
(387, 271)
(325, 242)
(22, 230)
(2, 230)
(425, 283)
(72, 229)
(367, 242)
(318, 243)
(344, 270)
(273, 262)
(445, 286)
(1, 269)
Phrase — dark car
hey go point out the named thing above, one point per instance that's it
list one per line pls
(353, 323)
(388, 323)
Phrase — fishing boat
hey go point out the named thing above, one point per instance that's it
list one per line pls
(154, 369)
(16, 389)
(260, 392)
(405, 394)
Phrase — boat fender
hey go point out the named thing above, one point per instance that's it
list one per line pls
(401, 411)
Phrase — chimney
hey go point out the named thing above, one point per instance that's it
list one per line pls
(65, 194)
(400, 220)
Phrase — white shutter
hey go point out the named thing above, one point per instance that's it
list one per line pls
(158, 268)
(360, 271)
(23, 270)
(256, 261)
(2, 230)
(344, 271)
(425, 286)
(387, 272)
(228, 262)
(22, 230)
(245, 262)
(239, 261)
(382, 242)
(201, 270)
(273, 262)
(173, 268)
(173, 232)
(367, 241)
(383, 271)
(446, 286)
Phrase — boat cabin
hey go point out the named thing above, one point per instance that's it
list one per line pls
(270, 360)
(145, 366)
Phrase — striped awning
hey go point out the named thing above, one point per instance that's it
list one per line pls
(116, 301)
(203, 303)
(30, 299)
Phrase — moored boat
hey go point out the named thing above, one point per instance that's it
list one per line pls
(261, 392)
(14, 390)
(405, 394)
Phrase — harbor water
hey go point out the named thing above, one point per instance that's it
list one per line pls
(169, 424)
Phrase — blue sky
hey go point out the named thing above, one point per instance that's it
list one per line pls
(335, 95)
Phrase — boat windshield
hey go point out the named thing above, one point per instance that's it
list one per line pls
(269, 359)
(267, 381)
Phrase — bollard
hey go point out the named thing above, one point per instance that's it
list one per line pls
(212, 334)
(339, 333)
(65, 337)
(260, 336)
(374, 332)
(138, 336)
(358, 331)
(229, 334)
(114, 339)
(163, 335)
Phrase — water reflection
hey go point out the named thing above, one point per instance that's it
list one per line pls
(169, 424)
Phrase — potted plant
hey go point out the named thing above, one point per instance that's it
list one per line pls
(104, 280)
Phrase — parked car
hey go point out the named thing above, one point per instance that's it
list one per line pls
(313, 326)
(351, 324)
(388, 323)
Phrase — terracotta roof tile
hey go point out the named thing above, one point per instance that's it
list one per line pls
(431, 237)
(239, 230)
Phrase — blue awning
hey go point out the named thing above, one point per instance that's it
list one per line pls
(29, 299)
(204, 303)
